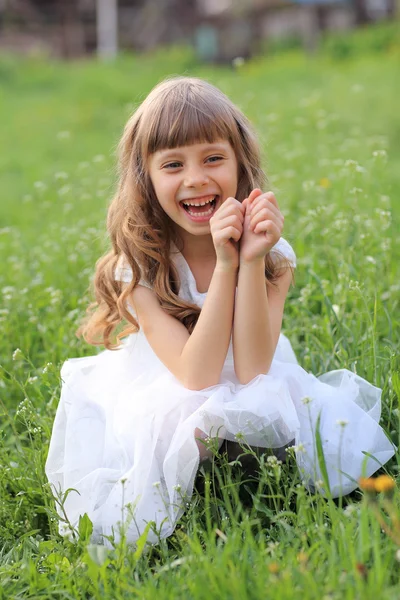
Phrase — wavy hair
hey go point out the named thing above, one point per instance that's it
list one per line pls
(179, 111)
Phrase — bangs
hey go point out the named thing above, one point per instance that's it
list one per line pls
(182, 121)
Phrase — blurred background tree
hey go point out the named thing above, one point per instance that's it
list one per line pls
(220, 30)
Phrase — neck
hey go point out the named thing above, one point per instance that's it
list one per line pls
(197, 246)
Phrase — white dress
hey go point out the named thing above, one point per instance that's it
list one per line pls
(124, 432)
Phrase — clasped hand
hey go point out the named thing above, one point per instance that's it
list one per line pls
(246, 231)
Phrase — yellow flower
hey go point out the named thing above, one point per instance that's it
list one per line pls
(367, 484)
(384, 483)
(325, 182)
(273, 568)
(302, 557)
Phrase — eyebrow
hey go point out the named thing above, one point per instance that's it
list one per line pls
(164, 154)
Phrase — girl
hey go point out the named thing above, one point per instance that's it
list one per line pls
(199, 272)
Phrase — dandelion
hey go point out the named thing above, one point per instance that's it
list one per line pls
(324, 182)
(302, 557)
(385, 484)
(273, 568)
(368, 485)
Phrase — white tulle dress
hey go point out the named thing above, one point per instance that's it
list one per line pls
(124, 432)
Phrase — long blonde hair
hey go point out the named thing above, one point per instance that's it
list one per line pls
(179, 111)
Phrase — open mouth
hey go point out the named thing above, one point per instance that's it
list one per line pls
(203, 208)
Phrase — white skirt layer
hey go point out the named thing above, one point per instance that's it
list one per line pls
(126, 435)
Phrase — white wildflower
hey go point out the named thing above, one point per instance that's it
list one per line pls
(17, 354)
(61, 175)
(350, 510)
(300, 448)
(63, 135)
(370, 259)
(238, 62)
(306, 400)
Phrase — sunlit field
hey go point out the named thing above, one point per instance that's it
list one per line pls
(330, 133)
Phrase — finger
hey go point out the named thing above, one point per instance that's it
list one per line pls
(268, 199)
(265, 214)
(271, 197)
(268, 210)
(230, 206)
(268, 227)
(223, 236)
(230, 220)
(253, 194)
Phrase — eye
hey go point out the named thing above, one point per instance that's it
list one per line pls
(214, 158)
(172, 165)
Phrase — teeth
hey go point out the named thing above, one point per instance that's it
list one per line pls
(203, 214)
(198, 203)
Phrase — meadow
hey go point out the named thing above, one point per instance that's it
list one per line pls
(329, 126)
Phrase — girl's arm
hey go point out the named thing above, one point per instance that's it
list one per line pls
(196, 359)
(257, 319)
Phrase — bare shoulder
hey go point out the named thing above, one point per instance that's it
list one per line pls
(145, 302)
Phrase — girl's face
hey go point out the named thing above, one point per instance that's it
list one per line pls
(204, 174)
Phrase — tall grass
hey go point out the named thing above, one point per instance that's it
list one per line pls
(330, 133)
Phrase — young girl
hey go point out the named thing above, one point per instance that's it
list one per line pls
(199, 272)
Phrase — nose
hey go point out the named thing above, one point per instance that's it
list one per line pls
(195, 177)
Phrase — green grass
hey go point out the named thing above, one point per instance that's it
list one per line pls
(330, 136)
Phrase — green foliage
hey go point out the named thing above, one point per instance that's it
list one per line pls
(330, 132)
(377, 39)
